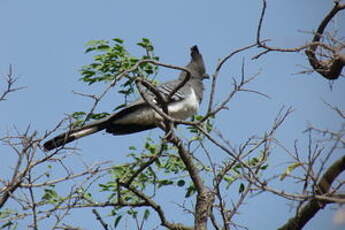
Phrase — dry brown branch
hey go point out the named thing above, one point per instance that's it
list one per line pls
(205, 197)
(330, 69)
(25, 153)
(100, 220)
(309, 210)
(157, 208)
(96, 168)
(10, 82)
(216, 73)
(146, 164)
(262, 43)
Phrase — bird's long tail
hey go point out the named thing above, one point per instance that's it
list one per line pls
(73, 135)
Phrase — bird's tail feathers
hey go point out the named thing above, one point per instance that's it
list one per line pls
(72, 135)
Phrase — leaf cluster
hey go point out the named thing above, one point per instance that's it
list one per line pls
(111, 58)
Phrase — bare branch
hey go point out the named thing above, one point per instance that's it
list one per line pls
(330, 69)
(205, 197)
(100, 220)
(314, 205)
(216, 73)
(10, 81)
(157, 208)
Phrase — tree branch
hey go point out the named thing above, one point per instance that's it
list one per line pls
(331, 68)
(157, 208)
(309, 210)
(100, 220)
(10, 81)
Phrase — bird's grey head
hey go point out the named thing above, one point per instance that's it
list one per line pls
(196, 65)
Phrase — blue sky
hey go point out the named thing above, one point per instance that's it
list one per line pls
(45, 41)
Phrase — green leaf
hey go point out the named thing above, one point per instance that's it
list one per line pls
(132, 147)
(146, 40)
(119, 107)
(190, 191)
(97, 116)
(117, 221)
(181, 183)
(6, 225)
(198, 117)
(118, 40)
(229, 180)
(289, 169)
(146, 44)
(264, 167)
(87, 195)
(146, 214)
(104, 187)
(89, 49)
(50, 195)
(78, 115)
(241, 188)
(96, 42)
(133, 213)
(6, 213)
(164, 183)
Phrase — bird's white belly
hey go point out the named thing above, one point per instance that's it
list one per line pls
(179, 110)
(184, 109)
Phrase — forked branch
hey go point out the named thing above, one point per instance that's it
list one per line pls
(332, 67)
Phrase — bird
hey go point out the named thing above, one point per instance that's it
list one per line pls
(139, 115)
